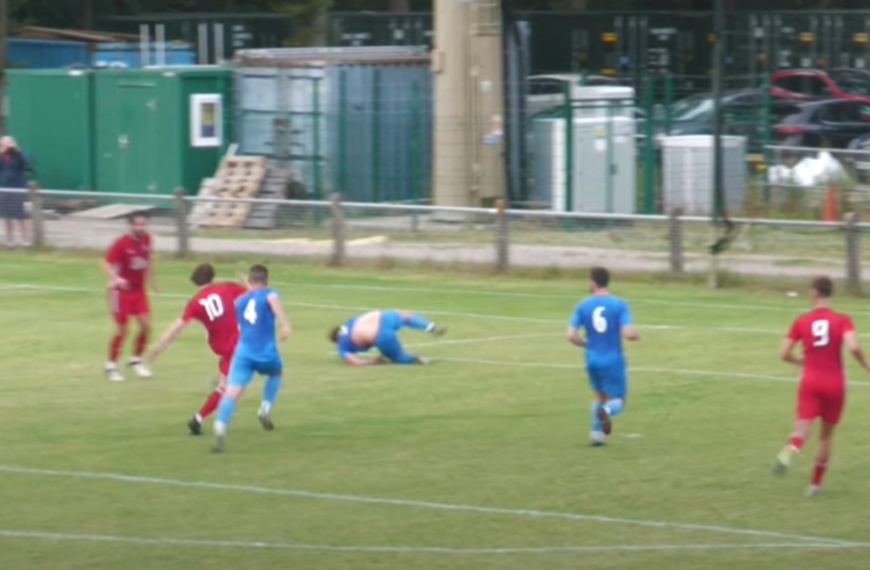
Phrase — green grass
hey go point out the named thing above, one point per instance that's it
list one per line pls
(495, 423)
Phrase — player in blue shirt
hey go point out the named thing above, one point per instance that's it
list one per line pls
(606, 320)
(379, 329)
(256, 351)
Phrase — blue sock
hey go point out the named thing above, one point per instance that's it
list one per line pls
(406, 358)
(417, 322)
(596, 425)
(226, 409)
(270, 389)
(615, 406)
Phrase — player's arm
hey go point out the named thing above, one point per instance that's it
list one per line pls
(574, 337)
(278, 310)
(786, 352)
(168, 336)
(626, 325)
(851, 340)
(113, 257)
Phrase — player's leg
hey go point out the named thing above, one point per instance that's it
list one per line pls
(414, 321)
(241, 373)
(809, 407)
(832, 410)
(214, 398)
(596, 382)
(118, 308)
(273, 372)
(142, 313)
(614, 390)
(387, 342)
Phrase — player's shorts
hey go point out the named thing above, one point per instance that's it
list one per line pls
(243, 367)
(824, 402)
(612, 379)
(123, 304)
(387, 341)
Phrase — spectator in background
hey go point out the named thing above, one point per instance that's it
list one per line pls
(13, 168)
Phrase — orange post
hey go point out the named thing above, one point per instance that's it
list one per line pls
(830, 213)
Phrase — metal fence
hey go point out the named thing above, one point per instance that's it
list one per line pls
(494, 238)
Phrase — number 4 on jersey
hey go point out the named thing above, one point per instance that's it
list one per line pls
(250, 313)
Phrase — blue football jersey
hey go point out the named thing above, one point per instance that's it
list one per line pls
(344, 344)
(256, 322)
(602, 317)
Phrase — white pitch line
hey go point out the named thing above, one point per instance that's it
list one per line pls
(662, 370)
(484, 339)
(349, 549)
(514, 294)
(527, 513)
(737, 330)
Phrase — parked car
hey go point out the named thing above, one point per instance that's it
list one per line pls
(832, 123)
(548, 91)
(812, 84)
(860, 160)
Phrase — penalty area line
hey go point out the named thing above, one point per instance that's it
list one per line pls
(365, 549)
(415, 504)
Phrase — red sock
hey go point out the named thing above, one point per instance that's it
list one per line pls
(211, 403)
(115, 347)
(141, 341)
(819, 472)
(796, 442)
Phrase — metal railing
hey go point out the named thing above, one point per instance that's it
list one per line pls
(498, 237)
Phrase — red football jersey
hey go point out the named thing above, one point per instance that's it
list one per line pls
(214, 307)
(821, 332)
(131, 258)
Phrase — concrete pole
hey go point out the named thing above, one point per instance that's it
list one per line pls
(468, 165)
(4, 34)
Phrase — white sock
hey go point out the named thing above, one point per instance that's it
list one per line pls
(265, 408)
(220, 428)
(198, 418)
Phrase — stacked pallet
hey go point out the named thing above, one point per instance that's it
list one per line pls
(238, 177)
(265, 216)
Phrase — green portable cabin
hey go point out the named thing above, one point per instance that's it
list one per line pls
(160, 129)
(50, 113)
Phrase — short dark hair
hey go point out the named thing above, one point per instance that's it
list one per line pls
(132, 216)
(823, 286)
(333, 334)
(203, 274)
(599, 276)
(258, 274)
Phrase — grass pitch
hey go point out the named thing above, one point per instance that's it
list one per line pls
(479, 461)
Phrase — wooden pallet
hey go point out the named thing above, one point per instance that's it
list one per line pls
(237, 177)
(265, 216)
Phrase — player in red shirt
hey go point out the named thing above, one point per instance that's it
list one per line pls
(214, 307)
(822, 391)
(128, 266)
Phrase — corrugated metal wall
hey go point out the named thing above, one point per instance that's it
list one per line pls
(45, 54)
(363, 129)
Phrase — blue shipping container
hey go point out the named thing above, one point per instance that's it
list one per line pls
(129, 55)
(45, 54)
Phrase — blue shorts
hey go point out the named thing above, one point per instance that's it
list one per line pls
(243, 367)
(387, 341)
(611, 379)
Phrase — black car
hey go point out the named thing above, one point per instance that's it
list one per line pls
(832, 123)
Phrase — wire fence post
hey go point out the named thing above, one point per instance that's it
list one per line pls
(182, 247)
(675, 239)
(338, 231)
(36, 219)
(502, 238)
(853, 254)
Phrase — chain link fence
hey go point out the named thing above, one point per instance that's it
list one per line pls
(498, 238)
